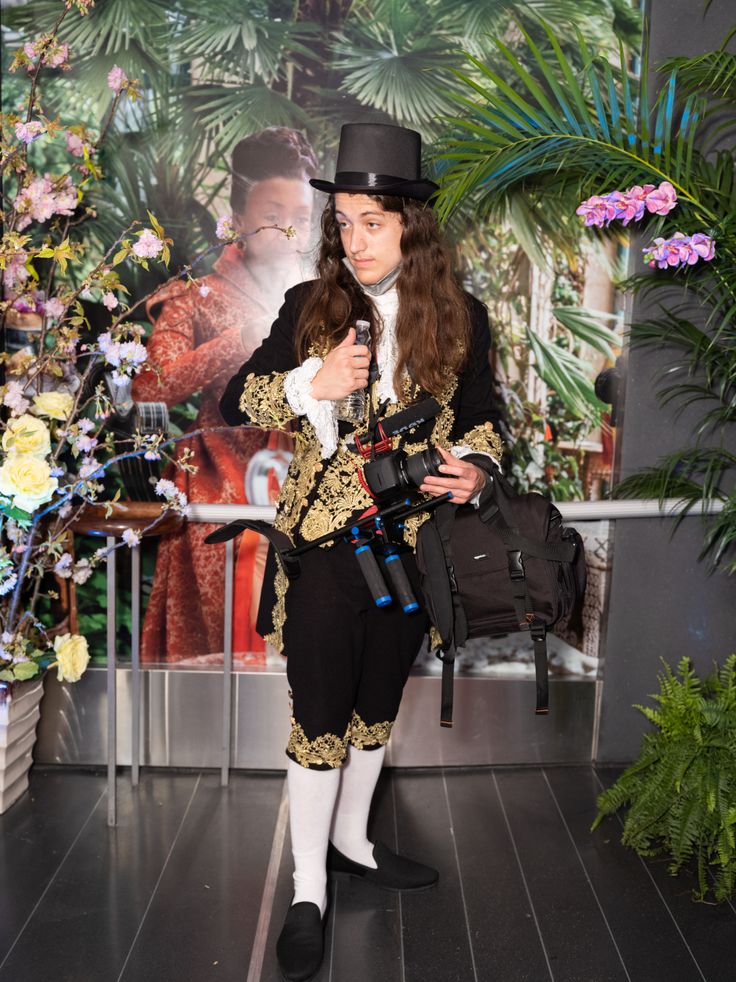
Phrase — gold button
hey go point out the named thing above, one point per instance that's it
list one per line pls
(304, 502)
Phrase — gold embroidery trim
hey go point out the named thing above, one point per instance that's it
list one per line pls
(339, 497)
(412, 524)
(326, 749)
(361, 735)
(303, 471)
(264, 402)
(485, 439)
(278, 615)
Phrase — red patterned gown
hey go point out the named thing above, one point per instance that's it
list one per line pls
(198, 343)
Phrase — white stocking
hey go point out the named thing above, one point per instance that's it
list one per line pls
(358, 778)
(312, 797)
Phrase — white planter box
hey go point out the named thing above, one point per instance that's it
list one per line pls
(19, 715)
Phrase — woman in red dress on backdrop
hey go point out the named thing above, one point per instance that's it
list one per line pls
(200, 337)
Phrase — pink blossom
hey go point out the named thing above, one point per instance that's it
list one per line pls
(55, 308)
(75, 144)
(15, 272)
(43, 198)
(148, 245)
(631, 204)
(628, 206)
(662, 200)
(703, 246)
(86, 443)
(56, 56)
(679, 250)
(29, 303)
(28, 132)
(13, 398)
(117, 79)
(204, 290)
(224, 229)
(90, 468)
(597, 210)
(109, 300)
(53, 53)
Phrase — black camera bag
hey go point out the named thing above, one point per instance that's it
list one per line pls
(506, 566)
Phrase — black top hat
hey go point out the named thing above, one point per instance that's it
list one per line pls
(374, 158)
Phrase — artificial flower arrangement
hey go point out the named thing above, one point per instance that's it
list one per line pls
(56, 444)
(632, 205)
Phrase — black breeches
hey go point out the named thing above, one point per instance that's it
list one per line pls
(347, 659)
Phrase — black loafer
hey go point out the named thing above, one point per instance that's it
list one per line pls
(393, 872)
(300, 947)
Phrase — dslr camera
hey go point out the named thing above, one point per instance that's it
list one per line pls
(389, 473)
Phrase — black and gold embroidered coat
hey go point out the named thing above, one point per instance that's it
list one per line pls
(319, 496)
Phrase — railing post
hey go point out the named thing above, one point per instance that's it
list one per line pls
(135, 666)
(227, 668)
(112, 728)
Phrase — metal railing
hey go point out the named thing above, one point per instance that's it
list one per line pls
(577, 511)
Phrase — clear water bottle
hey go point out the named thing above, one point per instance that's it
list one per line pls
(351, 409)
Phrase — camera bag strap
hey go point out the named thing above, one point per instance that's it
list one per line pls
(444, 520)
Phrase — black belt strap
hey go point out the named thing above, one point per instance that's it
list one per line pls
(448, 677)
(278, 539)
(538, 631)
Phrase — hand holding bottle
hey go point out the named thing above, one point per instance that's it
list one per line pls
(344, 370)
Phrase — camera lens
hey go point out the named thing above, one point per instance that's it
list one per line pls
(420, 465)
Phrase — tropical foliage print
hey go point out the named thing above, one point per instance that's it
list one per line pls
(559, 135)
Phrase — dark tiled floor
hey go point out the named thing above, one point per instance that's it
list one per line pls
(176, 891)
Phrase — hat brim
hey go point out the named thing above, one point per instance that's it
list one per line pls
(422, 190)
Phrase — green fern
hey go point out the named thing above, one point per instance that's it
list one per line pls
(681, 792)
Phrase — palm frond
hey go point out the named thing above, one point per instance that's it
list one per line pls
(243, 42)
(590, 327)
(583, 128)
(568, 375)
(229, 113)
(713, 71)
(396, 72)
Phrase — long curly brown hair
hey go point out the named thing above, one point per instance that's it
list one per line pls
(433, 321)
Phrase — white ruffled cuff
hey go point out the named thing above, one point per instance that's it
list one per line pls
(462, 450)
(319, 412)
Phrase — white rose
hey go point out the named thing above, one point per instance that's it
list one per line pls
(72, 656)
(27, 435)
(27, 480)
(57, 405)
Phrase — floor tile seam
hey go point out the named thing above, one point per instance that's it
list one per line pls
(459, 876)
(661, 896)
(523, 877)
(399, 905)
(160, 875)
(260, 939)
(53, 876)
(587, 876)
(332, 932)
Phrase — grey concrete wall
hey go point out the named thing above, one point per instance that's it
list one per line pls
(663, 603)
